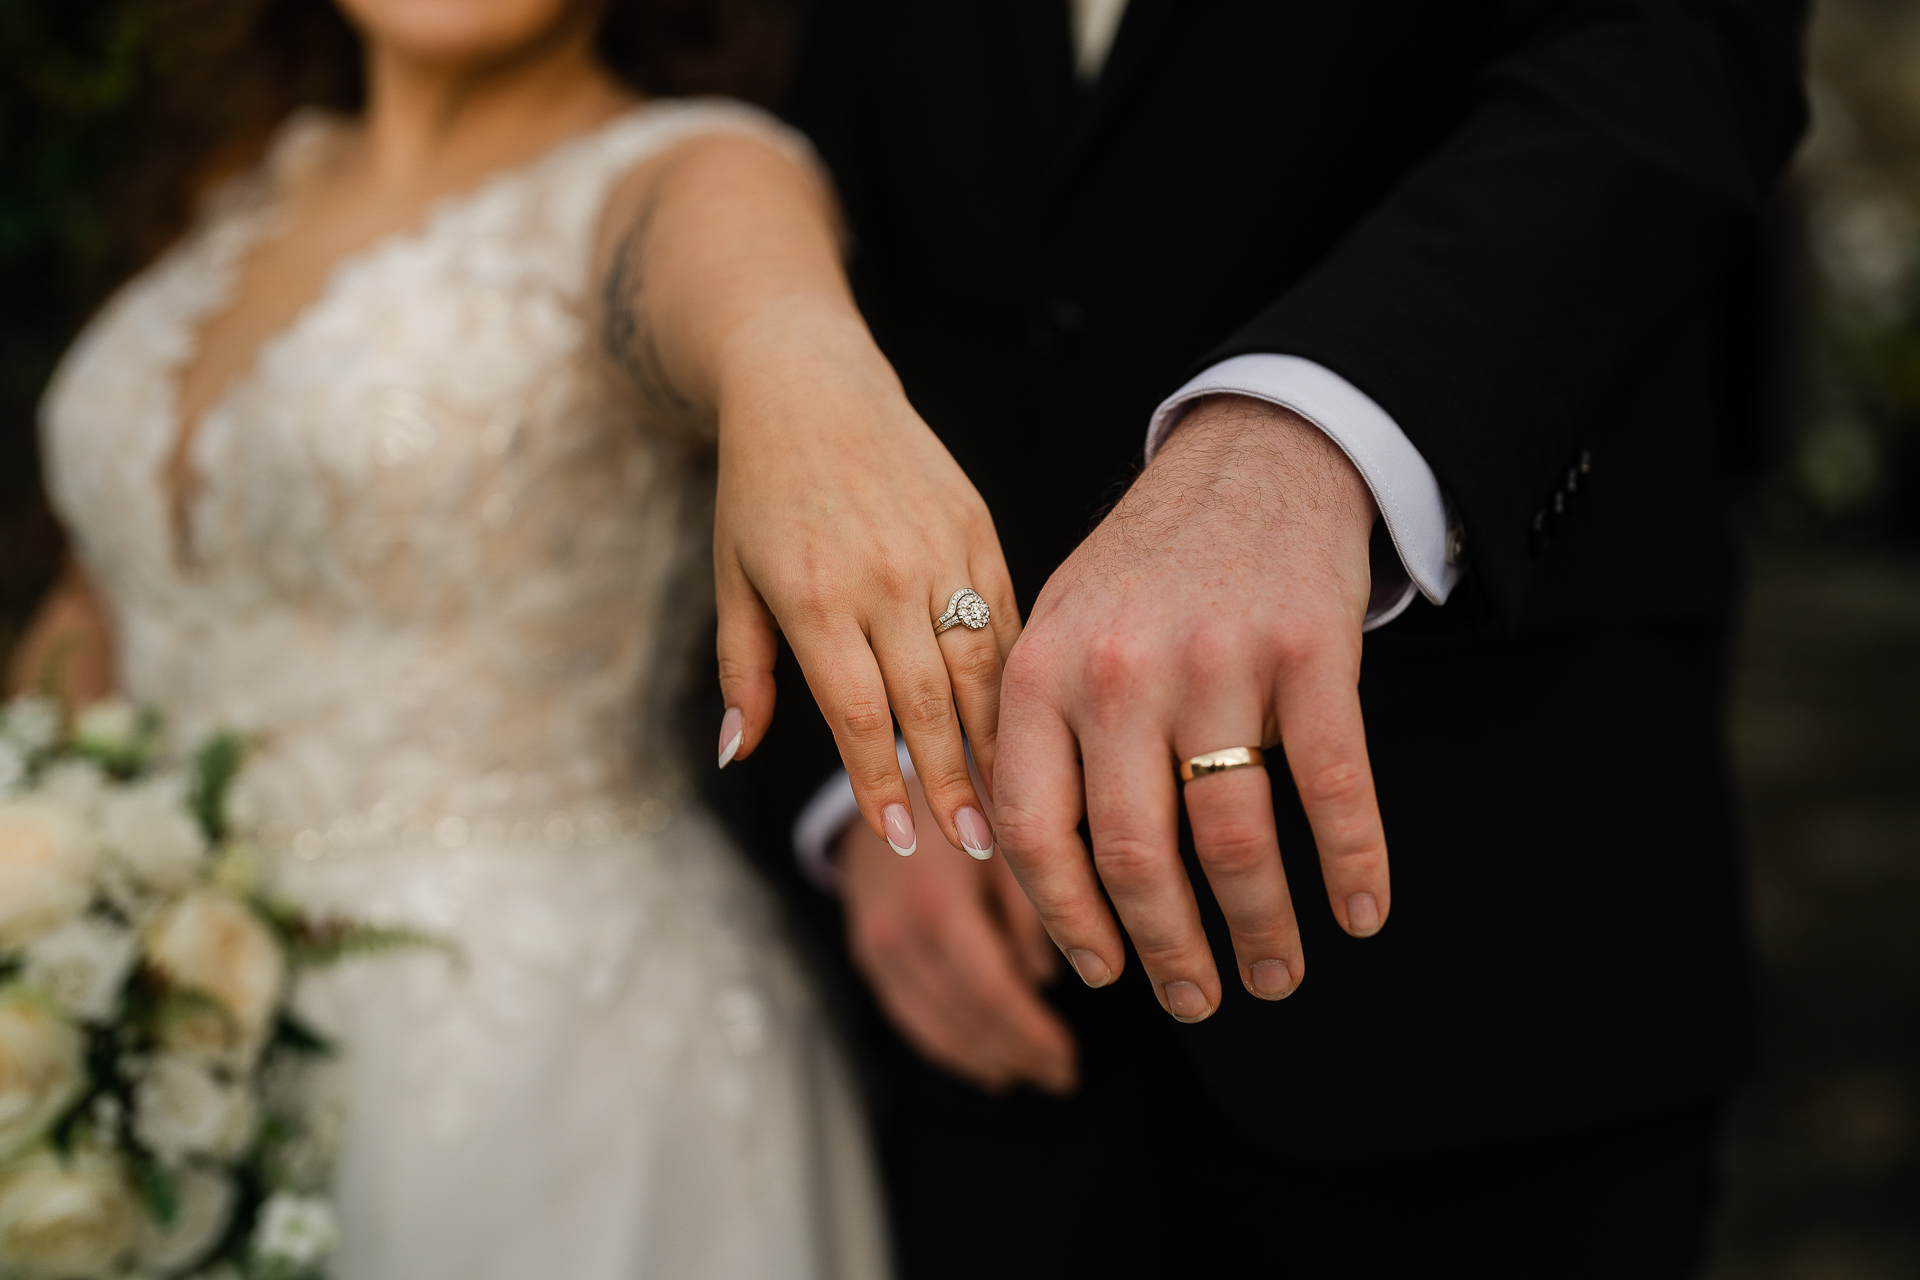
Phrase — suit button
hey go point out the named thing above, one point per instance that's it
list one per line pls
(1573, 480)
(1586, 461)
(1560, 502)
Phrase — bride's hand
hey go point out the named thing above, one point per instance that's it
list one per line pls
(843, 522)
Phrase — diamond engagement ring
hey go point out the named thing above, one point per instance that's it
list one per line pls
(966, 609)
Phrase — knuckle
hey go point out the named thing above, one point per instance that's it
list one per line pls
(865, 718)
(975, 518)
(813, 610)
(1235, 848)
(1365, 859)
(1168, 955)
(929, 707)
(1127, 859)
(976, 664)
(1294, 649)
(895, 581)
(1338, 785)
(815, 597)
(736, 674)
(1018, 828)
(1028, 672)
(1115, 663)
(1208, 649)
(947, 783)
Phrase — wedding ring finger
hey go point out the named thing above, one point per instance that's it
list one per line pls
(1230, 806)
(974, 662)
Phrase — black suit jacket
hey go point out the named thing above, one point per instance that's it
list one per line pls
(1527, 230)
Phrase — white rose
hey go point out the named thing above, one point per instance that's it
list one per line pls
(42, 1067)
(32, 721)
(78, 784)
(147, 826)
(197, 1028)
(83, 965)
(180, 1109)
(295, 1230)
(46, 856)
(206, 1199)
(213, 943)
(110, 726)
(65, 1219)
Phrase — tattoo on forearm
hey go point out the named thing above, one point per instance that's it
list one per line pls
(627, 329)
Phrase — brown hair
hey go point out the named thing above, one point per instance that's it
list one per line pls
(233, 69)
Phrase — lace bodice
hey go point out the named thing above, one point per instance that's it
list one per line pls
(436, 555)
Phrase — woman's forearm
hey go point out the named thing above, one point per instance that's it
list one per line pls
(723, 257)
(68, 647)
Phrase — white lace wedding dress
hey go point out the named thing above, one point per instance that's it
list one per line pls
(443, 566)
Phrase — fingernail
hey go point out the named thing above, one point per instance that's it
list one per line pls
(1186, 1001)
(1092, 969)
(976, 837)
(1363, 915)
(1271, 979)
(898, 820)
(730, 727)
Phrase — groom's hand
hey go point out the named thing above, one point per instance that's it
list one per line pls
(1219, 605)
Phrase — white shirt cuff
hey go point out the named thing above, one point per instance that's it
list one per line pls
(1402, 483)
(825, 817)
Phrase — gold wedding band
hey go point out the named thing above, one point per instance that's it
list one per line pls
(1220, 761)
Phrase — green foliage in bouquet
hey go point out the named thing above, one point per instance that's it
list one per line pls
(163, 1111)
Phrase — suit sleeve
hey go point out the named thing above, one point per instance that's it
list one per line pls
(1616, 161)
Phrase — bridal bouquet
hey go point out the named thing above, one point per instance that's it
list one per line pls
(162, 1112)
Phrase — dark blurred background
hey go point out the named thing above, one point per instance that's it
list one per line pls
(1824, 1154)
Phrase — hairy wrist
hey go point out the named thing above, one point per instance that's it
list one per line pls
(1232, 447)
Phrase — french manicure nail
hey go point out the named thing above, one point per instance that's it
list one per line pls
(730, 728)
(976, 837)
(1186, 1001)
(898, 820)
(1363, 915)
(1271, 979)
(1092, 969)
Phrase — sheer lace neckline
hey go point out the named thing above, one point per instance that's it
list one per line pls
(263, 193)
(441, 558)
